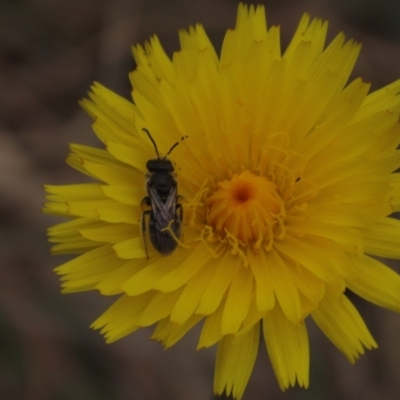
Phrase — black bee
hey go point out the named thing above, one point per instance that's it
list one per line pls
(165, 213)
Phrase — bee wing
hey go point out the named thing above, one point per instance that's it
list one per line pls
(164, 212)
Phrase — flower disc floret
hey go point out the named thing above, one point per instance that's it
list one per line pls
(248, 208)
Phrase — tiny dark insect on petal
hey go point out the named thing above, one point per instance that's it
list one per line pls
(165, 213)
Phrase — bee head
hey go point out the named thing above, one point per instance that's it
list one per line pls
(159, 165)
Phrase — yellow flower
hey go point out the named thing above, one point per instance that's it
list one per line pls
(286, 180)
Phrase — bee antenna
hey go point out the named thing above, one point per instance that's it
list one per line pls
(152, 141)
(176, 144)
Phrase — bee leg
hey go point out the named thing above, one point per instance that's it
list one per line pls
(143, 223)
(179, 212)
(145, 202)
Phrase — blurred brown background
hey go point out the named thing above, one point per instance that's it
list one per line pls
(50, 53)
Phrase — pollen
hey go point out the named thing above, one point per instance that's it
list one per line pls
(248, 208)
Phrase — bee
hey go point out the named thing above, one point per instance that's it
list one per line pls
(165, 213)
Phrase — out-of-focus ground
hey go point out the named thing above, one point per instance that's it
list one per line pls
(50, 53)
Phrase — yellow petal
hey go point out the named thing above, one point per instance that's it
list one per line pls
(375, 282)
(211, 331)
(192, 294)
(225, 269)
(131, 248)
(87, 270)
(235, 362)
(264, 286)
(288, 349)
(310, 256)
(159, 307)
(237, 301)
(198, 257)
(343, 325)
(112, 283)
(110, 233)
(168, 333)
(156, 269)
(383, 238)
(121, 318)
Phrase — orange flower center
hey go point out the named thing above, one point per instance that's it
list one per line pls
(247, 208)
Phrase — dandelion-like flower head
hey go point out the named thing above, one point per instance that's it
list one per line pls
(286, 181)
